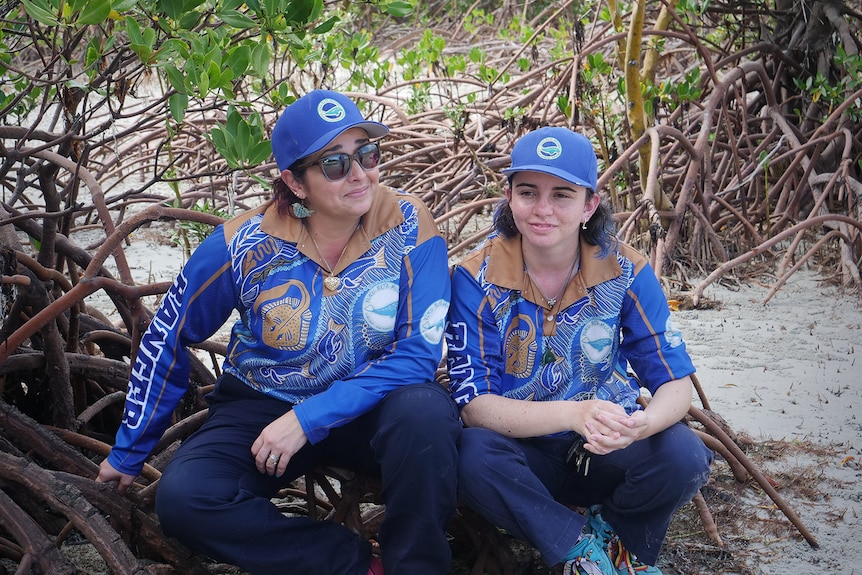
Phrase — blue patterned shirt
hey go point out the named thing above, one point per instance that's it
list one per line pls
(612, 316)
(332, 353)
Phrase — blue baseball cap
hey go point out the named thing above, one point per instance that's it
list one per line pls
(557, 151)
(313, 121)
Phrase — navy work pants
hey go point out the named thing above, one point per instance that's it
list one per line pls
(213, 499)
(526, 487)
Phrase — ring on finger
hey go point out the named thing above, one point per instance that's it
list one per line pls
(273, 459)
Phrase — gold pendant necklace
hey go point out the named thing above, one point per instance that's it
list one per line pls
(332, 282)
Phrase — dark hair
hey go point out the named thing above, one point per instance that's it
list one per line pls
(282, 195)
(600, 230)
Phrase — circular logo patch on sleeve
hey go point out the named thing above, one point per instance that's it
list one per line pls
(433, 323)
(380, 305)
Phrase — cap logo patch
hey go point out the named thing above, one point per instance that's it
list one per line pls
(330, 110)
(549, 149)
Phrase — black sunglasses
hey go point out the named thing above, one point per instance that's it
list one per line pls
(337, 166)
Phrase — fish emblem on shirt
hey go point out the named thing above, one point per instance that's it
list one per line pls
(331, 345)
(362, 266)
(433, 323)
(597, 341)
(380, 306)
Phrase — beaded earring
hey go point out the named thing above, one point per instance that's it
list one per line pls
(300, 211)
(583, 224)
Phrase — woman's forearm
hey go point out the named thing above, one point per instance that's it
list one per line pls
(517, 418)
(669, 404)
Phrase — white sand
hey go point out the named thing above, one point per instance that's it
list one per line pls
(791, 370)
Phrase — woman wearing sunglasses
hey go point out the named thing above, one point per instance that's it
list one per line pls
(341, 287)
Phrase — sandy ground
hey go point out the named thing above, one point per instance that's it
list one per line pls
(786, 374)
(789, 371)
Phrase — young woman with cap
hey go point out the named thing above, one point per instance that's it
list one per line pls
(331, 361)
(546, 318)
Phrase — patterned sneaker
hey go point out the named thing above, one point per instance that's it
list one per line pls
(627, 564)
(588, 558)
(624, 563)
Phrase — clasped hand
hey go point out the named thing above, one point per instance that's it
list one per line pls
(607, 427)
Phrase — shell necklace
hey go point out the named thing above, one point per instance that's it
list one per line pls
(552, 301)
(332, 281)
